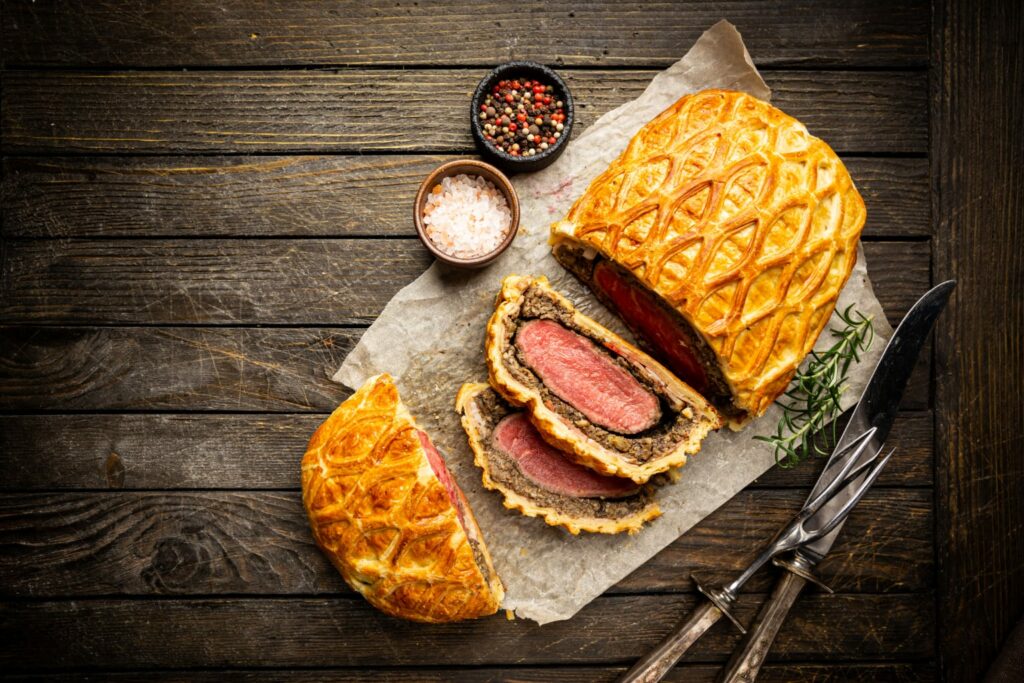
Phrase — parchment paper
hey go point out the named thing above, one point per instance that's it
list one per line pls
(430, 338)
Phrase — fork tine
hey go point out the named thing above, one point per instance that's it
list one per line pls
(841, 453)
(851, 476)
(863, 487)
(842, 478)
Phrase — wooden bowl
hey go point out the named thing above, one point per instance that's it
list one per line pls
(468, 167)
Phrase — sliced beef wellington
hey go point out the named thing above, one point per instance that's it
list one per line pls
(722, 236)
(387, 513)
(590, 393)
(538, 480)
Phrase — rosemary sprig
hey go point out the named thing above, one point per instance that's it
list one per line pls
(813, 396)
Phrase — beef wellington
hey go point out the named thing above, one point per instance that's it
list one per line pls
(722, 237)
(538, 480)
(387, 513)
(587, 391)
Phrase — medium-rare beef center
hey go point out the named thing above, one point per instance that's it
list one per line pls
(588, 392)
(588, 379)
(539, 480)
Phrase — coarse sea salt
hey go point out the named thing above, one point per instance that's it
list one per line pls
(466, 216)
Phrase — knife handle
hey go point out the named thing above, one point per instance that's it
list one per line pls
(661, 659)
(746, 662)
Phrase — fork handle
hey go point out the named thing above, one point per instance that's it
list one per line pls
(746, 662)
(661, 659)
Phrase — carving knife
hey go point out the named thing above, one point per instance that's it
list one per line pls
(846, 476)
(875, 410)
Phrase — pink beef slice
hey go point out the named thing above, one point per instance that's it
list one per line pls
(574, 370)
(437, 464)
(547, 467)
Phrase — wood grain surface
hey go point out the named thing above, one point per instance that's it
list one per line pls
(397, 110)
(611, 630)
(309, 196)
(202, 205)
(194, 369)
(239, 33)
(977, 155)
(173, 368)
(323, 281)
(916, 672)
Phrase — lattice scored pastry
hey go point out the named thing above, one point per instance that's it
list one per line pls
(722, 236)
(590, 393)
(388, 514)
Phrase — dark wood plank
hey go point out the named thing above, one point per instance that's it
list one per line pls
(395, 110)
(195, 33)
(206, 281)
(918, 672)
(237, 196)
(895, 192)
(307, 196)
(978, 115)
(195, 369)
(258, 451)
(216, 543)
(318, 632)
(158, 368)
(302, 282)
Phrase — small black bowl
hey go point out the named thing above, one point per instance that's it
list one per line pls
(503, 160)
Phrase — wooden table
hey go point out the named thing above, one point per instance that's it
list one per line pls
(204, 204)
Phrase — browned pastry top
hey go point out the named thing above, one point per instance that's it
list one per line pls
(385, 520)
(739, 218)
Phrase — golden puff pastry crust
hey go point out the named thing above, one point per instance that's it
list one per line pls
(385, 520)
(513, 500)
(743, 222)
(552, 426)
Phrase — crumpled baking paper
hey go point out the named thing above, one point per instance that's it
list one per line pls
(430, 338)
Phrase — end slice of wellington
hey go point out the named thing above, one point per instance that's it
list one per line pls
(387, 513)
(587, 391)
(538, 480)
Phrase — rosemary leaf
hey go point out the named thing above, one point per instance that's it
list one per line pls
(812, 400)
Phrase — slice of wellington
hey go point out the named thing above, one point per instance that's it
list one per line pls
(588, 392)
(538, 480)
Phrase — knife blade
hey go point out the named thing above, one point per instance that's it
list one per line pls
(876, 409)
(881, 398)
